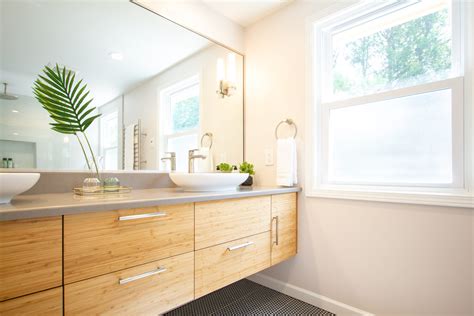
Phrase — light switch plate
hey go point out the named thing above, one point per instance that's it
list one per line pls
(268, 156)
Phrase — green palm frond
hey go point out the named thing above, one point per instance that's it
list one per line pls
(65, 100)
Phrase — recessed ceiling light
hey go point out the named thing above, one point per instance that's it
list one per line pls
(15, 111)
(116, 56)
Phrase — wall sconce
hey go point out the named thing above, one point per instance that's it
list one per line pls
(226, 83)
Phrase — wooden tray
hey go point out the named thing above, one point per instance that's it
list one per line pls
(102, 191)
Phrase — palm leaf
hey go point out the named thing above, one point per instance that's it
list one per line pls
(65, 100)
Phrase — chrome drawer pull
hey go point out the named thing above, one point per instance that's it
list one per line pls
(139, 216)
(141, 276)
(276, 230)
(240, 246)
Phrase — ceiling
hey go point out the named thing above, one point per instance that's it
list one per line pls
(81, 35)
(246, 12)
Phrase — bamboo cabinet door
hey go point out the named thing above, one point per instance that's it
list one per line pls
(30, 256)
(44, 303)
(284, 227)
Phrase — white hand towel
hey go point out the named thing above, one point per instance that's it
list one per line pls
(286, 162)
(206, 164)
(128, 147)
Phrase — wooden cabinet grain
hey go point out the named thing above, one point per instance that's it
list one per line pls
(148, 289)
(102, 242)
(45, 303)
(30, 256)
(226, 263)
(222, 221)
(284, 227)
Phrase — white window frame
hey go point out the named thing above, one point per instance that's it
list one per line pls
(165, 113)
(460, 194)
(106, 111)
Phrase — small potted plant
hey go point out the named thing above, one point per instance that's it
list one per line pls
(67, 102)
(246, 167)
(225, 167)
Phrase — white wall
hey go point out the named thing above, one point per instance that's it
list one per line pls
(222, 117)
(384, 258)
(31, 124)
(22, 153)
(199, 18)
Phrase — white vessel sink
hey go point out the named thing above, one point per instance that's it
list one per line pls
(204, 182)
(12, 184)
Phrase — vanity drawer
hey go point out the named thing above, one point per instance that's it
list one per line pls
(284, 229)
(149, 289)
(30, 256)
(48, 302)
(218, 266)
(222, 221)
(103, 242)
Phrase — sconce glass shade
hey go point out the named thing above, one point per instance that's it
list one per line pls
(220, 69)
(226, 76)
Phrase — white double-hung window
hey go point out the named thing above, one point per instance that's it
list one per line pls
(388, 103)
(180, 120)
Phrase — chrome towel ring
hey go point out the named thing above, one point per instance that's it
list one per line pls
(289, 122)
(209, 135)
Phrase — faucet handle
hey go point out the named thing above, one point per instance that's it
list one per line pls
(191, 151)
(171, 153)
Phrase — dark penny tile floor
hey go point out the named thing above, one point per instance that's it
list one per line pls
(247, 298)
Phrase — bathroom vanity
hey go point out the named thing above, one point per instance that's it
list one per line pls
(145, 254)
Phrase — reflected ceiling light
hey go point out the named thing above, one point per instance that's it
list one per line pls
(116, 56)
(15, 133)
(226, 80)
(66, 139)
(15, 111)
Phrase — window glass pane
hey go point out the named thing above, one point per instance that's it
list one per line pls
(109, 130)
(400, 49)
(111, 159)
(406, 140)
(185, 109)
(186, 114)
(181, 145)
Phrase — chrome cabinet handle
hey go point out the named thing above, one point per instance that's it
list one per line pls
(276, 229)
(139, 216)
(240, 246)
(141, 276)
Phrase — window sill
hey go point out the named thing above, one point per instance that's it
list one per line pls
(464, 199)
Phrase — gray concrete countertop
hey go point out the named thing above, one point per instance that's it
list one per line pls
(54, 204)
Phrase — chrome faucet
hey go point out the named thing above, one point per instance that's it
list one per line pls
(171, 158)
(191, 157)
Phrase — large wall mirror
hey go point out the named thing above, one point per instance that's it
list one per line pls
(158, 87)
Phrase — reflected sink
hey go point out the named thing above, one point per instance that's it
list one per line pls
(12, 184)
(204, 182)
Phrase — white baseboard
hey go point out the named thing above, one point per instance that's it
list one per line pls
(333, 306)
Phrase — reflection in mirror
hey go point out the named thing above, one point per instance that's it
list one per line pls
(160, 89)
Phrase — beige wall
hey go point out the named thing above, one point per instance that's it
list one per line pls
(201, 19)
(385, 258)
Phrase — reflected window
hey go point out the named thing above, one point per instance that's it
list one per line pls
(108, 140)
(180, 120)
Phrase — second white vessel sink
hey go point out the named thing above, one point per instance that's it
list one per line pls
(12, 184)
(205, 182)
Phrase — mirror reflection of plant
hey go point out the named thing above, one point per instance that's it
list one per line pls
(65, 101)
(225, 167)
